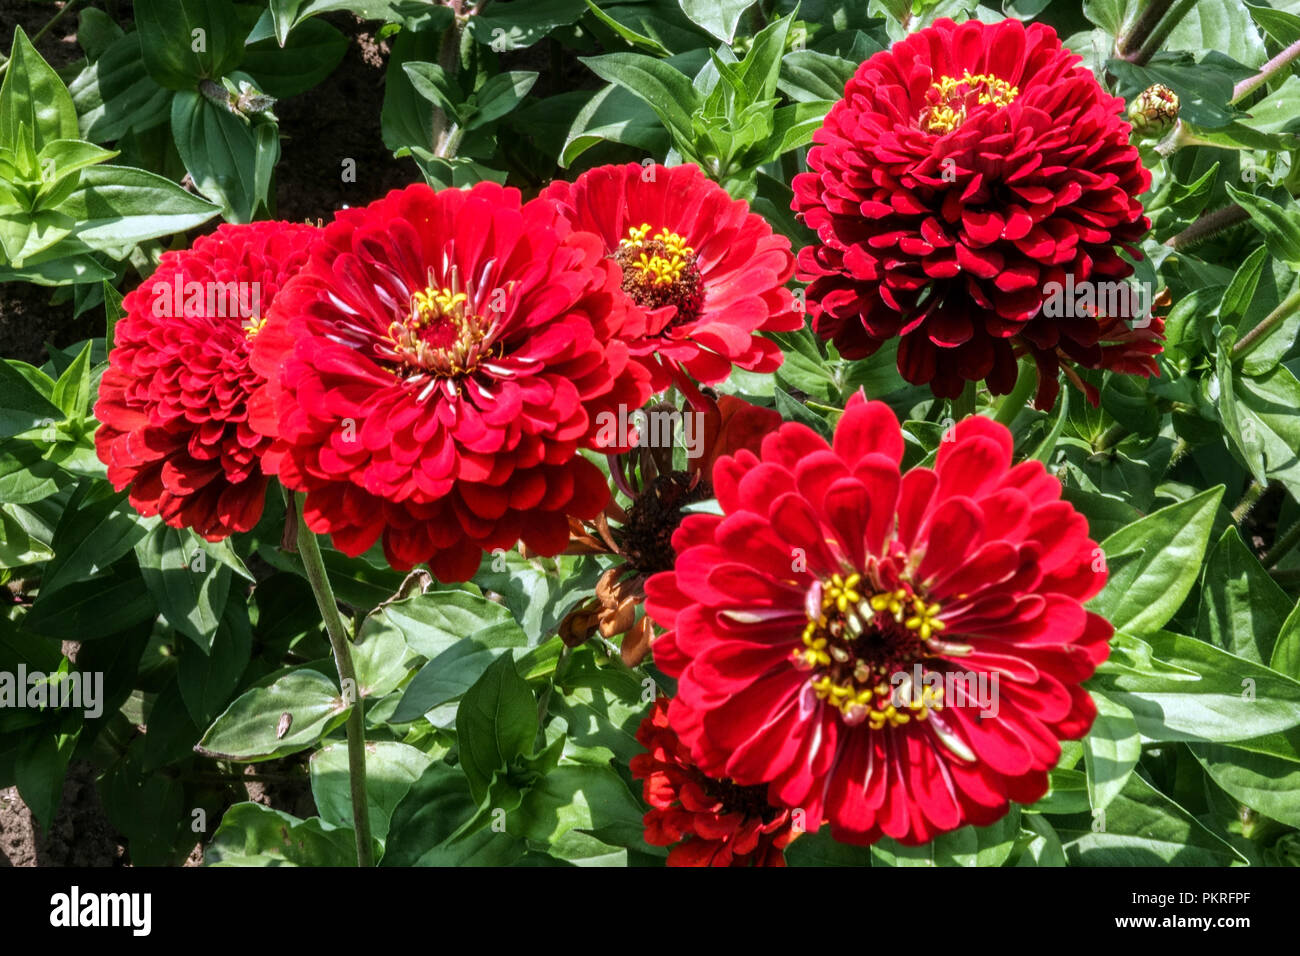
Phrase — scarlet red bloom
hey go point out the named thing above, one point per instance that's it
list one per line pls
(838, 631)
(434, 371)
(173, 401)
(966, 170)
(712, 822)
(705, 273)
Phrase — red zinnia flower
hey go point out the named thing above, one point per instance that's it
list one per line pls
(838, 632)
(966, 170)
(705, 272)
(434, 370)
(712, 822)
(172, 403)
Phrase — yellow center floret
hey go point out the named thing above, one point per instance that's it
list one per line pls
(442, 334)
(253, 326)
(862, 642)
(950, 96)
(661, 259)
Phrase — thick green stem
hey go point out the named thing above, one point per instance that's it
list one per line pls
(314, 565)
(1110, 438)
(963, 406)
(1132, 41)
(1255, 337)
(1013, 404)
(1282, 546)
(1151, 45)
(446, 134)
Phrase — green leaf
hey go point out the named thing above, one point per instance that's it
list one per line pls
(60, 158)
(253, 727)
(253, 835)
(118, 206)
(22, 408)
(425, 826)
(1260, 416)
(207, 680)
(594, 800)
(1143, 827)
(1163, 552)
(107, 604)
(665, 89)
(405, 120)
(598, 709)
(72, 390)
(381, 657)
(1179, 688)
(96, 32)
(521, 23)
(112, 312)
(633, 38)
(1223, 25)
(433, 83)
(1042, 845)
(184, 41)
(1280, 225)
(91, 535)
(190, 594)
(719, 17)
(115, 94)
(1111, 751)
(33, 97)
(220, 151)
(495, 723)
(618, 116)
(967, 846)
(435, 621)
(452, 673)
(1242, 608)
(807, 75)
(391, 769)
(39, 771)
(498, 96)
(1237, 296)
(818, 849)
(313, 51)
(1286, 652)
(1282, 26)
(1262, 782)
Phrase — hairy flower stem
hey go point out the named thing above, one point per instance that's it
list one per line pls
(314, 565)
(1012, 404)
(1248, 501)
(1266, 72)
(1282, 546)
(1255, 337)
(1208, 226)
